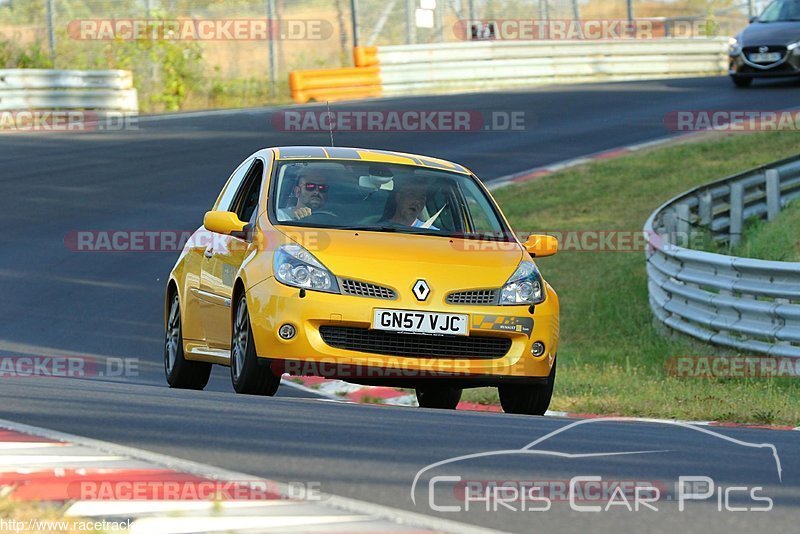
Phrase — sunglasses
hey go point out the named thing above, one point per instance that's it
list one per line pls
(322, 188)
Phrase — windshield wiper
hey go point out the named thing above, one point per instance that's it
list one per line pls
(367, 228)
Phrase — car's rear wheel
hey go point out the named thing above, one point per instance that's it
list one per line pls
(444, 398)
(738, 81)
(249, 375)
(529, 399)
(181, 373)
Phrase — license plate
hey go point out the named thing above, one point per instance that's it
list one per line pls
(420, 322)
(768, 57)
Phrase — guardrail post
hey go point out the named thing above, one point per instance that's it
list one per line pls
(704, 208)
(773, 193)
(736, 214)
(682, 225)
(669, 225)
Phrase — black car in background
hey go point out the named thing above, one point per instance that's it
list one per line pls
(769, 47)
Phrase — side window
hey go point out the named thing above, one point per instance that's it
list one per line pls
(479, 208)
(233, 185)
(245, 202)
(442, 197)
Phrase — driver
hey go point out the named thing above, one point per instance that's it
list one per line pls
(311, 192)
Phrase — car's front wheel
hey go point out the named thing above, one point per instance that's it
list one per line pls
(181, 373)
(444, 398)
(738, 81)
(249, 375)
(528, 399)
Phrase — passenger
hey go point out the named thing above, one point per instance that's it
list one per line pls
(405, 206)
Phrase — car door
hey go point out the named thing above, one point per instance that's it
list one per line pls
(225, 255)
(202, 301)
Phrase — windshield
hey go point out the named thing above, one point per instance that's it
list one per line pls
(781, 11)
(382, 197)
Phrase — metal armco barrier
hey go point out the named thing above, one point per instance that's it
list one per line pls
(481, 65)
(748, 304)
(107, 90)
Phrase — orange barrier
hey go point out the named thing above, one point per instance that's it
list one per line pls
(361, 81)
(365, 56)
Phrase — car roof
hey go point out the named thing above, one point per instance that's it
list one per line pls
(364, 154)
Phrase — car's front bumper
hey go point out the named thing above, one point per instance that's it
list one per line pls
(740, 66)
(273, 304)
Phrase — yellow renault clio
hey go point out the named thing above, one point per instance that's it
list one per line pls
(369, 266)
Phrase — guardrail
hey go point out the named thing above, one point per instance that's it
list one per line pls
(107, 90)
(361, 81)
(476, 65)
(490, 64)
(744, 303)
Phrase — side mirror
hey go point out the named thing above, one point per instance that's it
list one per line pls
(223, 222)
(753, 19)
(540, 245)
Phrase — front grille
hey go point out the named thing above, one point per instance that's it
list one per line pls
(749, 50)
(479, 296)
(414, 345)
(365, 289)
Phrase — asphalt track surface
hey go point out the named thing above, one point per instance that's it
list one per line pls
(165, 175)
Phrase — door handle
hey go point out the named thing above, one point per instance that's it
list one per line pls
(208, 253)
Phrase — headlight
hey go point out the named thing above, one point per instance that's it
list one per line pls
(794, 48)
(295, 266)
(734, 48)
(524, 287)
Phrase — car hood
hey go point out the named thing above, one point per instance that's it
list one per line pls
(398, 260)
(770, 33)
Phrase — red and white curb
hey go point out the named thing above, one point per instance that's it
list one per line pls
(538, 172)
(150, 493)
(347, 392)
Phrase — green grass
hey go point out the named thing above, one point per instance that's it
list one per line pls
(777, 240)
(611, 354)
(44, 517)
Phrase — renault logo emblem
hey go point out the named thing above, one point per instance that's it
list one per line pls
(421, 290)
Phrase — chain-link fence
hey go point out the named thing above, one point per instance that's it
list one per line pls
(388, 22)
(232, 69)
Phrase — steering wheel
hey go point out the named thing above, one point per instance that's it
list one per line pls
(323, 212)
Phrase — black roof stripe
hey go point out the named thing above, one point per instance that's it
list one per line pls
(302, 152)
(341, 152)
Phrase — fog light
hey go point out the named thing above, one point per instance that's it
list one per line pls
(537, 349)
(287, 331)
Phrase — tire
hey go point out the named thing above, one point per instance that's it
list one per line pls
(443, 398)
(249, 375)
(530, 399)
(180, 372)
(741, 82)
